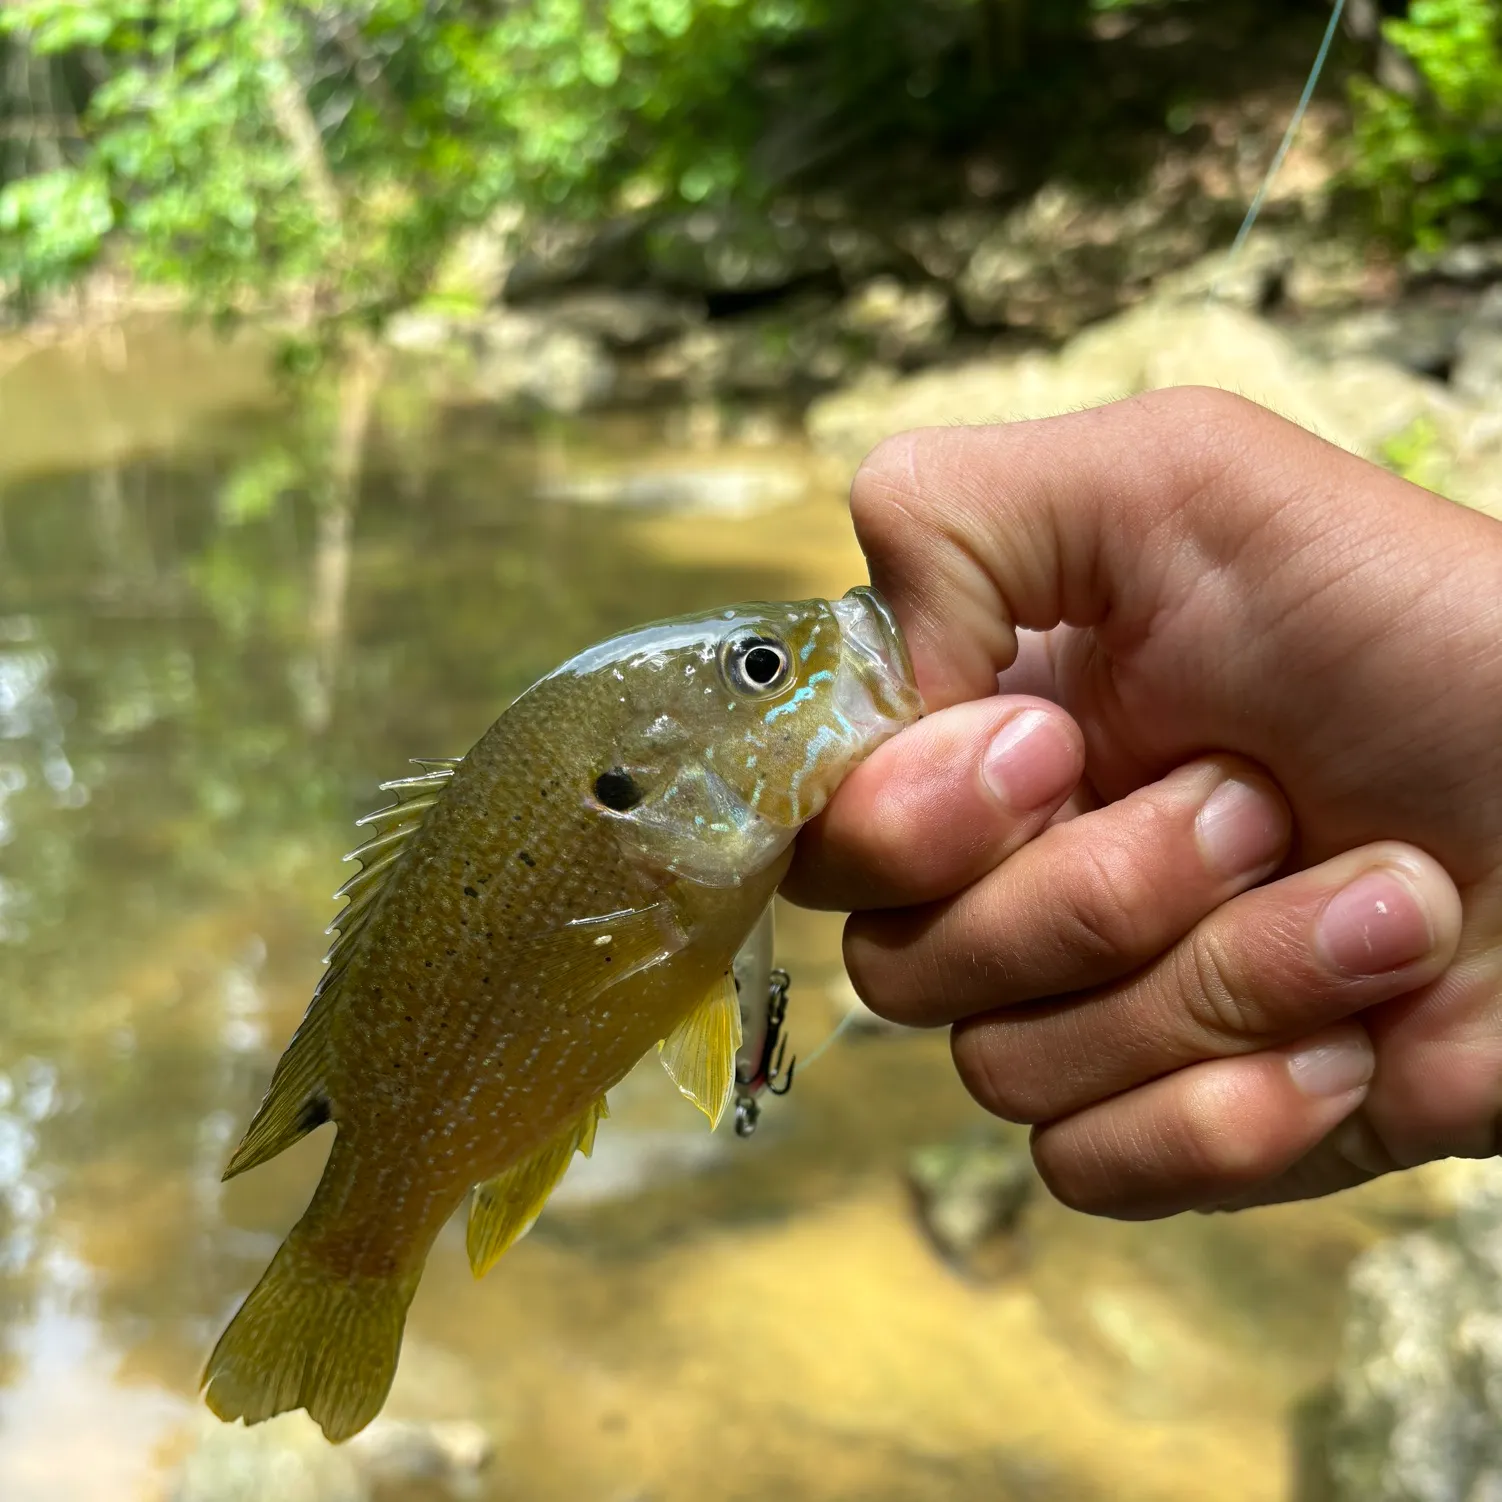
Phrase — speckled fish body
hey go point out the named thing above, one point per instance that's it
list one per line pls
(528, 923)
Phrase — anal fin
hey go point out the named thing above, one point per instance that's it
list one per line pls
(699, 1054)
(504, 1207)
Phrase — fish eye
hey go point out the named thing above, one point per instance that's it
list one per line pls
(757, 665)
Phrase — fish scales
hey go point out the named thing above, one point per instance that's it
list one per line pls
(568, 896)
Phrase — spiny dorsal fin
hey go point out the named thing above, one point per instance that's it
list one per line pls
(699, 1054)
(504, 1207)
(297, 1101)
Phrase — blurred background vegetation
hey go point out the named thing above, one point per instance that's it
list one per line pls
(245, 149)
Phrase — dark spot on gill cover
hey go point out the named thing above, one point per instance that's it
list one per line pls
(470, 892)
(525, 858)
(617, 789)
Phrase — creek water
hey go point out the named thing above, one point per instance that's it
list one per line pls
(205, 669)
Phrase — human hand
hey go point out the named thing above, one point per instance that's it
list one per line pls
(1207, 591)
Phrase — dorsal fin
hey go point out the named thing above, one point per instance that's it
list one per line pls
(297, 1102)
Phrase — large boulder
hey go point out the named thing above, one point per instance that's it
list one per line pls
(1417, 1407)
(1062, 260)
(1371, 406)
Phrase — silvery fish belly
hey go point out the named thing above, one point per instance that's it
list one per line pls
(527, 923)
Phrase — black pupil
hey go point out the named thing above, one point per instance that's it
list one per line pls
(617, 789)
(762, 665)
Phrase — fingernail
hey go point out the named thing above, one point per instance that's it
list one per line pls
(1334, 1068)
(1377, 923)
(1240, 828)
(1030, 762)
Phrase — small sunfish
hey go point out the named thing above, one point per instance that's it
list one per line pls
(527, 924)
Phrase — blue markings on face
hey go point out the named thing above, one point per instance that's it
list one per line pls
(803, 693)
(801, 697)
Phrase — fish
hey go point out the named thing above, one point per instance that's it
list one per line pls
(528, 922)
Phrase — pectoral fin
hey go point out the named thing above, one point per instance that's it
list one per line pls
(504, 1207)
(582, 959)
(699, 1054)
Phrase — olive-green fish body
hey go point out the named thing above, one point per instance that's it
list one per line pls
(528, 923)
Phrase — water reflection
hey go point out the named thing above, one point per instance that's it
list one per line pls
(207, 659)
(209, 655)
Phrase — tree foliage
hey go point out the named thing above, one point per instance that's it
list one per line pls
(245, 146)
(247, 149)
(1434, 158)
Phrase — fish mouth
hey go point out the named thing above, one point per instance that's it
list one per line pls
(874, 646)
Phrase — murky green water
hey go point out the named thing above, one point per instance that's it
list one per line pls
(204, 671)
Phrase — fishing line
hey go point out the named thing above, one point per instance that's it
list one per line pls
(830, 1039)
(1283, 148)
(1252, 213)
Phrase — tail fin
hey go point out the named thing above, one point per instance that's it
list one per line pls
(305, 1338)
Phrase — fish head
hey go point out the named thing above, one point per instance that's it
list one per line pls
(807, 691)
(730, 729)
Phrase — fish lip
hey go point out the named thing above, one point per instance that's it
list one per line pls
(872, 638)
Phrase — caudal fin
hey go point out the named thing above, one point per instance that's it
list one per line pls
(304, 1338)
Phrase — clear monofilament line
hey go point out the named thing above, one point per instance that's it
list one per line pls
(1283, 148)
(830, 1038)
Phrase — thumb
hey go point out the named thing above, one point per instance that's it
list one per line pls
(972, 532)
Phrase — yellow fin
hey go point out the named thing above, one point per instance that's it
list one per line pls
(296, 1101)
(504, 1207)
(305, 1338)
(699, 1054)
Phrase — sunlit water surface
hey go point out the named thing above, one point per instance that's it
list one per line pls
(203, 674)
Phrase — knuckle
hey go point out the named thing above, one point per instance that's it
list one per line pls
(1208, 413)
(1211, 1146)
(996, 1076)
(1213, 990)
(1077, 1170)
(1110, 903)
(894, 972)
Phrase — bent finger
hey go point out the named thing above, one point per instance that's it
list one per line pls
(938, 806)
(1275, 963)
(1088, 901)
(1207, 1134)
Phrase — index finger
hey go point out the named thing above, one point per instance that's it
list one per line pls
(938, 806)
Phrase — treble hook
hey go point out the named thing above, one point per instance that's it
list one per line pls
(769, 1072)
(771, 1064)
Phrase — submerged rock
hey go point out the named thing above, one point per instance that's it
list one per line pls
(287, 1459)
(1416, 1414)
(970, 1197)
(453, 1454)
